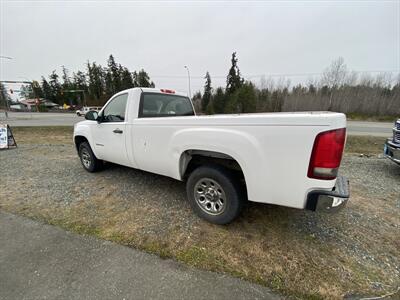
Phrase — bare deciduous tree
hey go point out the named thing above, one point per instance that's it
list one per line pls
(334, 76)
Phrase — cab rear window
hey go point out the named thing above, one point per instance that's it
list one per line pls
(153, 105)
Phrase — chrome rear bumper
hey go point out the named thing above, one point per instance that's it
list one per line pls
(329, 201)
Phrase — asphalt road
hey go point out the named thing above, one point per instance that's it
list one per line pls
(16, 119)
(382, 129)
(40, 261)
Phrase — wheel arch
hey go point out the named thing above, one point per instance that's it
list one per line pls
(79, 139)
(190, 159)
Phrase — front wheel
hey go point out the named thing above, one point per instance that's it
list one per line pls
(215, 194)
(89, 161)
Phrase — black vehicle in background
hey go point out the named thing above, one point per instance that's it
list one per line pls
(392, 145)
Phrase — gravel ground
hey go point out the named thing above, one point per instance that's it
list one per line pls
(299, 253)
(374, 210)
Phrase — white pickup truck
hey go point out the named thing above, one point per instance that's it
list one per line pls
(288, 159)
(86, 109)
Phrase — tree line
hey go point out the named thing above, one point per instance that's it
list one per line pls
(94, 86)
(337, 90)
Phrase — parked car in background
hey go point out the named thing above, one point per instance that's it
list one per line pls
(288, 159)
(85, 109)
(392, 145)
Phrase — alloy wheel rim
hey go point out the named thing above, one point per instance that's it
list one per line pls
(86, 160)
(210, 196)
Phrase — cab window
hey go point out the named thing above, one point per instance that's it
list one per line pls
(154, 105)
(115, 110)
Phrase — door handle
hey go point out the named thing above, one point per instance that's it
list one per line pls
(117, 130)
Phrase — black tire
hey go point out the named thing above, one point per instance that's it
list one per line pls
(205, 176)
(78, 114)
(89, 161)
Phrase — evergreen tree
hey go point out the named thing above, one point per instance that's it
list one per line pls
(46, 88)
(247, 98)
(233, 80)
(79, 80)
(142, 79)
(114, 69)
(79, 83)
(263, 100)
(210, 108)
(66, 96)
(243, 100)
(55, 87)
(126, 79)
(108, 81)
(231, 104)
(207, 93)
(96, 81)
(218, 101)
(277, 99)
(65, 77)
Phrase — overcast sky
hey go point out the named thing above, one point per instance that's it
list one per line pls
(270, 37)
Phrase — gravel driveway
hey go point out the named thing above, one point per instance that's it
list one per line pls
(298, 253)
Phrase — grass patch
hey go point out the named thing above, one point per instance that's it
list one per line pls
(158, 248)
(197, 256)
(258, 247)
(44, 129)
(43, 135)
(364, 144)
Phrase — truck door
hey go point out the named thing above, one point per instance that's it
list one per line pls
(110, 134)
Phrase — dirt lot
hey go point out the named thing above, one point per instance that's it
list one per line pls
(298, 253)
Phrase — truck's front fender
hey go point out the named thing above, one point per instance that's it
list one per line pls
(82, 129)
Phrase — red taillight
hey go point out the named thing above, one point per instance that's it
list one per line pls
(167, 91)
(327, 154)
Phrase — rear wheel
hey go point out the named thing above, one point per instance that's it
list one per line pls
(89, 161)
(215, 194)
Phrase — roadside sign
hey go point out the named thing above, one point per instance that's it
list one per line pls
(6, 137)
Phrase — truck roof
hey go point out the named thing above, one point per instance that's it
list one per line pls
(156, 90)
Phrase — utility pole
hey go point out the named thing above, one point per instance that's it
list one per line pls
(190, 94)
(7, 107)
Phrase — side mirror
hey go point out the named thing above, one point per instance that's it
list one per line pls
(92, 115)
